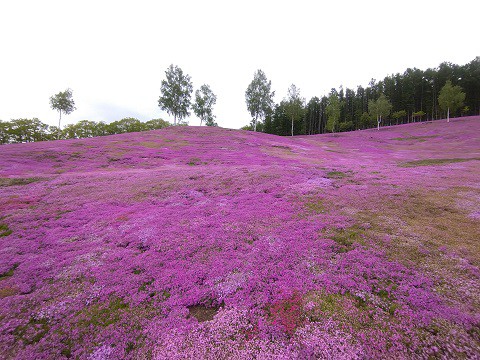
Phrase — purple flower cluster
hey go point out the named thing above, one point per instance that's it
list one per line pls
(196, 242)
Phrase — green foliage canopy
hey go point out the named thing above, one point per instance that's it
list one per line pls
(28, 130)
(399, 115)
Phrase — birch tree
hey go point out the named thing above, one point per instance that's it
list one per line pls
(294, 105)
(62, 102)
(203, 105)
(333, 111)
(259, 97)
(451, 98)
(380, 108)
(176, 92)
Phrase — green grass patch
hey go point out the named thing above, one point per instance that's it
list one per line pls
(309, 205)
(4, 230)
(8, 273)
(194, 161)
(149, 144)
(202, 313)
(350, 309)
(8, 291)
(103, 315)
(33, 331)
(313, 204)
(336, 175)
(137, 271)
(282, 147)
(330, 304)
(433, 162)
(19, 181)
(145, 285)
(115, 313)
(410, 138)
(75, 155)
(345, 238)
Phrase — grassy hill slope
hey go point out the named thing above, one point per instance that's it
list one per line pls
(195, 242)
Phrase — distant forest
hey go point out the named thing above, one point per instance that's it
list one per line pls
(411, 96)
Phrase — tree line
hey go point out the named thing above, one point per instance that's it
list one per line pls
(29, 130)
(414, 95)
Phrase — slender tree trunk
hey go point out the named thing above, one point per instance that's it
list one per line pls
(292, 125)
(59, 121)
(174, 120)
(378, 122)
(448, 114)
(255, 124)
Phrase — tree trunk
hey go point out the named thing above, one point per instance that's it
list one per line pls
(378, 122)
(255, 124)
(59, 121)
(448, 114)
(292, 125)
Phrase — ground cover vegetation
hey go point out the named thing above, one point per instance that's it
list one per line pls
(208, 243)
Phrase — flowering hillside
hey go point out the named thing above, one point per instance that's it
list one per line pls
(207, 243)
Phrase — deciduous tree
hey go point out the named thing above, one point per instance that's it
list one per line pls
(259, 97)
(379, 108)
(125, 125)
(176, 92)
(62, 102)
(294, 105)
(203, 105)
(333, 111)
(399, 115)
(451, 98)
(4, 132)
(156, 124)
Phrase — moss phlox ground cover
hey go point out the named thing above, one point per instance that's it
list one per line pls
(194, 242)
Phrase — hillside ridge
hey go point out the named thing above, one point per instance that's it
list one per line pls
(181, 145)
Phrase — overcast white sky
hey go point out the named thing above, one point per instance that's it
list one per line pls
(113, 54)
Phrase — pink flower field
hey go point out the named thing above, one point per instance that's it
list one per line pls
(207, 243)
